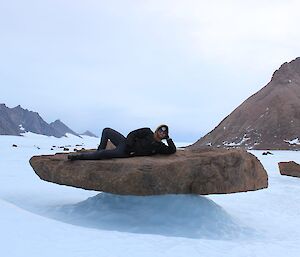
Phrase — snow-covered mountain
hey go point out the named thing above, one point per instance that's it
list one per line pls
(14, 121)
(269, 119)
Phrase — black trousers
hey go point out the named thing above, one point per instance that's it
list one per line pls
(116, 138)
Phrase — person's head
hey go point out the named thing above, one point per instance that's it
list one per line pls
(162, 132)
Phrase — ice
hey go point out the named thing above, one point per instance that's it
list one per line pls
(38, 218)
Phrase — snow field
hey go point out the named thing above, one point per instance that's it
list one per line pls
(40, 218)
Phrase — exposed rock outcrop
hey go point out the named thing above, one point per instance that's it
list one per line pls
(289, 168)
(269, 119)
(186, 172)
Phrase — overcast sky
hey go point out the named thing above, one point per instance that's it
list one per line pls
(129, 64)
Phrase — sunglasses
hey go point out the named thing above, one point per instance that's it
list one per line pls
(163, 129)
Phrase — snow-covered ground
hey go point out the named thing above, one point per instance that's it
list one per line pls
(38, 218)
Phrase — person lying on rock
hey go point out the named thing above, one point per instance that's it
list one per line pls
(140, 142)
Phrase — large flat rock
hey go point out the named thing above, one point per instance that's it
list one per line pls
(290, 168)
(213, 171)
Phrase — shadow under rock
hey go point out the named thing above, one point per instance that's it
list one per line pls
(190, 216)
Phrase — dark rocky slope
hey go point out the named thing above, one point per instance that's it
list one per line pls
(269, 119)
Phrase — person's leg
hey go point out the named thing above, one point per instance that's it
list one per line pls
(110, 134)
(115, 137)
(118, 152)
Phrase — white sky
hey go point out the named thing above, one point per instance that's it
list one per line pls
(129, 64)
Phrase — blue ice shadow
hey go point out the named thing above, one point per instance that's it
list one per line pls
(189, 216)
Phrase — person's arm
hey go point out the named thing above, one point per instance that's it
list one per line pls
(167, 149)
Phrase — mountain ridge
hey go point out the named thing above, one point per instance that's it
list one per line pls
(16, 120)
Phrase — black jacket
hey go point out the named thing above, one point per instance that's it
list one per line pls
(141, 142)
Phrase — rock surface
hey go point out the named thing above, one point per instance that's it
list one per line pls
(289, 168)
(269, 119)
(186, 172)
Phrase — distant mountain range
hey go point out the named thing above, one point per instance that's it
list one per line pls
(269, 119)
(14, 121)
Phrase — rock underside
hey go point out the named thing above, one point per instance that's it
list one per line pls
(205, 171)
(290, 168)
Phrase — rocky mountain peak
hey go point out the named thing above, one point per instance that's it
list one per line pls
(269, 119)
(58, 121)
(287, 73)
(88, 133)
(61, 129)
